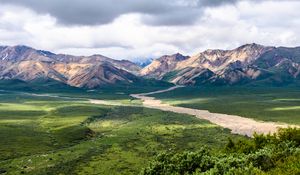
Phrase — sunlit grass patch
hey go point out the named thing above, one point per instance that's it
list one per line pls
(19, 107)
(58, 123)
(20, 114)
(16, 121)
(102, 125)
(287, 108)
(170, 128)
(287, 99)
(189, 101)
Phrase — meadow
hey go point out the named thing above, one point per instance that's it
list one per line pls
(277, 104)
(54, 135)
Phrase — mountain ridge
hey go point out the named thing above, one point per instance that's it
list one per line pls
(245, 64)
(249, 63)
(25, 63)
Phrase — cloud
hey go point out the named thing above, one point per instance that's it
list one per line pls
(224, 25)
(95, 12)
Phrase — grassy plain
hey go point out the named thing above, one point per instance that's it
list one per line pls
(51, 135)
(278, 104)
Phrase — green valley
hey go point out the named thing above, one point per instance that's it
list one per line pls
(54, 135)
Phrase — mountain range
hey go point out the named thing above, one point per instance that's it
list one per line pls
(27, 64)
(250, 63)
(247, 64)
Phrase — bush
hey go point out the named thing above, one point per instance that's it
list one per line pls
(263, 153)
(180, 163)
(289, 134)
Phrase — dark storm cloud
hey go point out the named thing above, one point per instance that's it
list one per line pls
(214, 2)
(95, 12)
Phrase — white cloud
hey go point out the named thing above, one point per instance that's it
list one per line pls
(129, 37)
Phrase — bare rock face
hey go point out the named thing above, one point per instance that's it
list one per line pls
(193, 76)
(247, 63)
(25, 63)
(100, 74)
(30, 70)
(159, 67)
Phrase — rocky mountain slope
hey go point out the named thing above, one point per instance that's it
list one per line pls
(27, 64)
(160, 66)
(245, 64)
(250, 63)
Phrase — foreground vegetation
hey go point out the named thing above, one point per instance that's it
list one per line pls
(264, 154)
(278, 104)
(52, 135)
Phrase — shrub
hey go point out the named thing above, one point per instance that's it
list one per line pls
(180, 163)
(289, 134)
(263, 153)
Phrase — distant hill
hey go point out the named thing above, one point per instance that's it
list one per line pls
(247, 64)
(28, 64)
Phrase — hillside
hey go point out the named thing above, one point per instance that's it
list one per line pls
(27, 64)
(250, 63)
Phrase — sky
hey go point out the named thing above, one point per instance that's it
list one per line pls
(141, 29)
